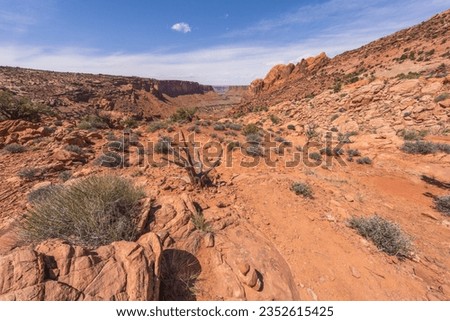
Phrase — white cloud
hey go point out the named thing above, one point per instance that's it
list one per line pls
(181, 27)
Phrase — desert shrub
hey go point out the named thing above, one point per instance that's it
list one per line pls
(170, 129)
(303, 189)
(110, 159)
(419, 147)
(65, 175)
(275, 119)
(310, 132)
(156, 125)
(28, 173)
(413, 134)
(94, 121)
(233, 145)
(334, 129)
(441, 97)
(234, 126)
(94, 211)
(353, 153)
(445, 148)
(283, 141)
(442, 204)
(129, 122)
(74, 149)
(250, 129)
(200, 223)
(253, 138)
(337, 87)
(15, 107)
(331, 151)
(254, 150)
(291, 127)
(117, 145)
(196, 129)
(387, 236)
(14, 148)
(41, 193)
(219, 127)
(163, 144)
(315, 156)
(183, 115)
(364, 161)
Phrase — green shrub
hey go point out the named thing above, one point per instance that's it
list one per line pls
(442, 204)
(387, 236)
(200, 223)
(14, 148)
(253, 138)
(94, 211)
(15, 107)
(364, 161)
(162, 146)
(250, 129)
(275, 119)
(413, 134)
(156, 125)
(93, 121)
(302, 189)
(233, 145)
(183, 115)
(196, 129)
(129, 122)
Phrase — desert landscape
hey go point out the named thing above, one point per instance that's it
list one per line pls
(329, 179)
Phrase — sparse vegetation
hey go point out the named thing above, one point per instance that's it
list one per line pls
(413, 134)
(353, 153)
(183, 115)
(364, 161)
(315, 156)
(219, 127)
(442, 204)
(310, 132)
(14, 148)
(424, 148)
(233, 145)
(162, 146)
(275, 119)
(15, 107)
(74, 149)
(110, 159)
(387, 236)
(94, 211)
(156, 125)
(42, 193)
(303, 189)
(234, 126)
(65, 175)
(253, 138)
(254, 150)
(250, 129)
(200, 223)
(94, 121)
(28, 173)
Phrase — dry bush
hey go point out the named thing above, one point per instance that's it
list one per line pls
(387, 236)
(94, 211)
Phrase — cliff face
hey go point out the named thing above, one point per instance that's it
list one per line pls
(143, 96)
(175, 88)
(419, 49)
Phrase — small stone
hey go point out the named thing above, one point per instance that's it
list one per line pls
(244, 268)
(312, 294)
(355, 272)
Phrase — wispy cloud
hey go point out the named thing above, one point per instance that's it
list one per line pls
(181, 27)
(19, 16)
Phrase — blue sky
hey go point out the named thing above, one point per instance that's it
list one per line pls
(212, 42)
